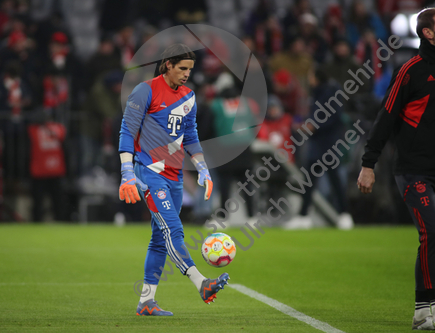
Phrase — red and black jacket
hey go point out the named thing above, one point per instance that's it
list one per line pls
(408, 111)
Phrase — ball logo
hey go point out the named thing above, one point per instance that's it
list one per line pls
(186, 109)
(161, 195)
(217, 246)
(421, 188)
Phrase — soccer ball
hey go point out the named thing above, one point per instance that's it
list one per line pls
(218, 250)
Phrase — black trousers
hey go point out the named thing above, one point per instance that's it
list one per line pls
(418, 192)
(53, 188)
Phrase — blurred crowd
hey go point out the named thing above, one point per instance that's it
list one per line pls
(60, 111)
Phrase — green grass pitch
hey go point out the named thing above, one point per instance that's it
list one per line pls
(64, 278)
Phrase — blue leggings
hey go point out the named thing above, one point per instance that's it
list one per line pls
(163, 198)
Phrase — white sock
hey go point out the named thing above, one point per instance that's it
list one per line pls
(195, 276)
(148, 292)
(422, 310)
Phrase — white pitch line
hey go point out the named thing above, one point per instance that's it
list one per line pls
(320, 325)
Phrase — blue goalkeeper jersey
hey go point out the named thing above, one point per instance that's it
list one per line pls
(159, 123)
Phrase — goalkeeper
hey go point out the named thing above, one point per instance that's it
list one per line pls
(159, 124)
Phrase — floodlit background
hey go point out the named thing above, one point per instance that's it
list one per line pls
(62, 64)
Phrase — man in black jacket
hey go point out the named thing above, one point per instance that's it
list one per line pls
(408, 111)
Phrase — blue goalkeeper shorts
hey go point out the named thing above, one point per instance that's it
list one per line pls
(164, 199)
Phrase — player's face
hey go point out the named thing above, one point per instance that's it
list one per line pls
(178, 74)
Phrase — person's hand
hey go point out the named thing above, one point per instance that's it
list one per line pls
(128, 190)
(204, 179)
(366, 180)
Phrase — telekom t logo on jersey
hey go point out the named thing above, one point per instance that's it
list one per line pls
(174, 123)
(425, 201)
(166, 204)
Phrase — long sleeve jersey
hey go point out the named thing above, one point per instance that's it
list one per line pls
(158, 124)
(408, 112)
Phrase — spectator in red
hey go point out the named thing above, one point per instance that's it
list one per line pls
(55, 80)
(287, 88)
(276, 129)
(47, 168)
(62, 72)
(56, 90)
(59, 49)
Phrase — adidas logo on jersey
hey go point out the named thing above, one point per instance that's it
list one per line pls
(134, 105)
(163, 105)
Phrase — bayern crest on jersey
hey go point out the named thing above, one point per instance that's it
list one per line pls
(186, 109)
(161, 194)
(421, 188)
